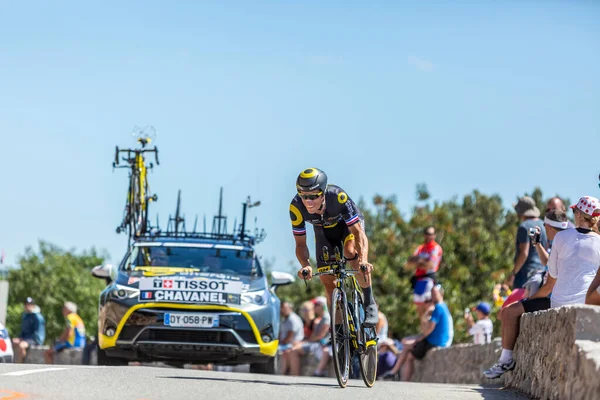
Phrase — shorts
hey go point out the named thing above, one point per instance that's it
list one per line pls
(315, 348)
(60, 346)
(422, 292)
(421, 348)
(533, 305)
(332, 237)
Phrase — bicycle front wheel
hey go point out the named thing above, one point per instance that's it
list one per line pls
(368, 351)
(340, 338)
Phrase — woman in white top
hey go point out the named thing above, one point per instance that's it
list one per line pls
(575, 257)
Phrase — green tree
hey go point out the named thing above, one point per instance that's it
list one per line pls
(52, 276)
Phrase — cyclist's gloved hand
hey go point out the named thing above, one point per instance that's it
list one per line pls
(305, 273)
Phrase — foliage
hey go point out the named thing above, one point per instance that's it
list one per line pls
(52, 276)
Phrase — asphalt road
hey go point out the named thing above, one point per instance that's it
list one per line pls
(18, 381)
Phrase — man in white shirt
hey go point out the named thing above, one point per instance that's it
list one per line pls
(482, 329)
(291, 331)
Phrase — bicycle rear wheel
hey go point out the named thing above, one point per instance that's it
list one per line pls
(368, 349)
(340, 339)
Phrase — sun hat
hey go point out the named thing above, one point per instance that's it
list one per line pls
(526, 207)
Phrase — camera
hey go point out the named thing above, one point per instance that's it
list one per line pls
(535, 235)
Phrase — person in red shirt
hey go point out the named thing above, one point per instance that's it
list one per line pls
(426, 261)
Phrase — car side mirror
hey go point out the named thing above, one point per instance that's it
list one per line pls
(280, 279)
(103, 272)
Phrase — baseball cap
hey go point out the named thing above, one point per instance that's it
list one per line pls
(29, 300)
(484, 307)
(588, 205)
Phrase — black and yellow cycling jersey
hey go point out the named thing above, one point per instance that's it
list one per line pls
(331, 228)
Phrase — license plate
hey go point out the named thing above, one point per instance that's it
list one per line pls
(192, 320)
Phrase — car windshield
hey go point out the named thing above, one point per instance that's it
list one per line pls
(198, 259)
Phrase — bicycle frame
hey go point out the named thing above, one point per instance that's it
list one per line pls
(136, 210)
(338, 269)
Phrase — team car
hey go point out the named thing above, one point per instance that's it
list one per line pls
(189, 299)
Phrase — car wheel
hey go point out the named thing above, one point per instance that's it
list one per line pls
(270, 367)
(104, 359)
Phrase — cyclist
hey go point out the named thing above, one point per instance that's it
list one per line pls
(337, 222)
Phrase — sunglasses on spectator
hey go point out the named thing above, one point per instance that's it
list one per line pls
(310, 196)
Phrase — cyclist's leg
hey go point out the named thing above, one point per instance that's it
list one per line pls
(364, 280)
(323, 238)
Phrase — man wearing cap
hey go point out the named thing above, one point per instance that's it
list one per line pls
(527, 262)
(33, 330)
(482, 329)
(572, 265)
(555, 203)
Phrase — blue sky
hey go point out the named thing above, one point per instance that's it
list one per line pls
(498, 96)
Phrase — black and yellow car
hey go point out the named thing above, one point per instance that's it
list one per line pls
(191, 299)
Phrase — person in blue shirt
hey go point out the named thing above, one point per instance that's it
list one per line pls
(437, 330)
(33, 330)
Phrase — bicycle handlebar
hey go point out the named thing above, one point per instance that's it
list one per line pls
(135, 152)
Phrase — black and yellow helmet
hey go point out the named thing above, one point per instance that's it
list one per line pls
(311, 179)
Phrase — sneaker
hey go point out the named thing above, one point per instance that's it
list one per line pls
(499, 369)
(371, 316)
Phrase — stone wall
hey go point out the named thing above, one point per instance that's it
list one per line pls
(35, 355)
(557, 353)
(462, 363)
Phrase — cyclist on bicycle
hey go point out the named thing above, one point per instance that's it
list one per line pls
(337, 222)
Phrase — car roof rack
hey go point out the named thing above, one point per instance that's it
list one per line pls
(176, 227)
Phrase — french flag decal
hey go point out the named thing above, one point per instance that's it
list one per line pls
(146, 295)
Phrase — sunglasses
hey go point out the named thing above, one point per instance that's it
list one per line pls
(310, 196)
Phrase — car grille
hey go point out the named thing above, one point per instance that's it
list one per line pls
(187, 336)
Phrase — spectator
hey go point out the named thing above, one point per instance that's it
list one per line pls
(500, 293)
(437, 331)
(291, 331)
(387, 356)
(33, 330)
(555, 221)
(314, 343)
(307, 313)
(72, 337)
(556, 203)
(527, 263)
(593, 293)
(573, 261)
(426, 261)
(382, 326)
(482, 329)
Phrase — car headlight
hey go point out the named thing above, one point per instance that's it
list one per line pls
(124, 292)
(258, 297)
